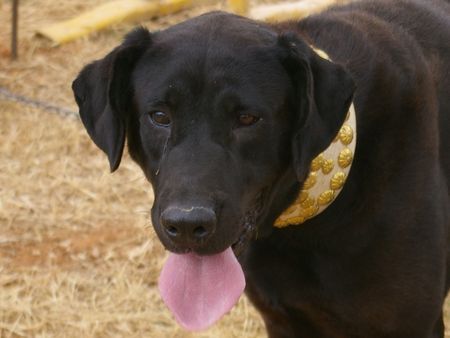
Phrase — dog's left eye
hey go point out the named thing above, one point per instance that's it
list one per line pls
(246, 120)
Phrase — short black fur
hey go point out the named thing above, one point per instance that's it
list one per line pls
(376, 262)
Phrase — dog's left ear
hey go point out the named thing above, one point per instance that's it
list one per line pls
(323, 92)
(103, 94)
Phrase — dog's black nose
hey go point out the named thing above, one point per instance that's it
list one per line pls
(188, 225)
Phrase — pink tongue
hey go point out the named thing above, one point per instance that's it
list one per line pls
(201, 289)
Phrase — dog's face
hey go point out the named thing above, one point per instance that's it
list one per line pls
(222, 114)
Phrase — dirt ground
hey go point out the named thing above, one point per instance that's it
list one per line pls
(78, 255)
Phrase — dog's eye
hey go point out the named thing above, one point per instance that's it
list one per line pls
(246, 120)
(160, 118)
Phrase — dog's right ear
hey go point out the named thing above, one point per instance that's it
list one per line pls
(103, 93)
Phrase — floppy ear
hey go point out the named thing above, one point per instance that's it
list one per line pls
(103, 93)
(323, 92)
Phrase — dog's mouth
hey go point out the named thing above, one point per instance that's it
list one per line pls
(200, 289)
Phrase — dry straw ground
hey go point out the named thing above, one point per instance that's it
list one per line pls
(78, 256)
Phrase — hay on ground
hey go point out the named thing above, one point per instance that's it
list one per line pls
(78, 256)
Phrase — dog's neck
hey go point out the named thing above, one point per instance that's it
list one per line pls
(327, 175)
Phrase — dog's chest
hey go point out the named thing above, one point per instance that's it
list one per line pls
(323, 291)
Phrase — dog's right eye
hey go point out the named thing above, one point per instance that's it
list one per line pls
(160, 118)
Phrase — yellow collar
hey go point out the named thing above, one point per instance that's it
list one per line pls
(327, 174)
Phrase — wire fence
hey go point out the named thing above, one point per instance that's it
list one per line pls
(10, 96)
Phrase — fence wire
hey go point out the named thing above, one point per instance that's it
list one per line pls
(10, 96)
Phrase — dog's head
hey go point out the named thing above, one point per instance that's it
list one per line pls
(224, 116)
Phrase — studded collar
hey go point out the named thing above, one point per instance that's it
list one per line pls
(327, 175)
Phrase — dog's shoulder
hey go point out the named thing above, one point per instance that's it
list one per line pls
(397, 53)
(398, 44)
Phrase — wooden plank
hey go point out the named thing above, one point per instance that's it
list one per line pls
(15, 30)
(240, 7)
(288, 10)
(110, 13)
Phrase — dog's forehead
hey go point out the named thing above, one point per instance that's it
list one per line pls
(218, 28)
(209, 55)
(214, 49)
(196, 75)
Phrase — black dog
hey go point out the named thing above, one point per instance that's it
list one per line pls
(225, 116)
